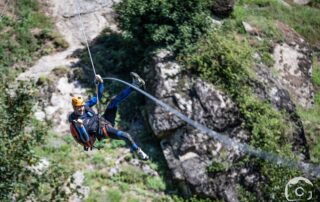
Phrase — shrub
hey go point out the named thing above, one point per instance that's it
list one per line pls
(19, 134)
(156, 183)
(157, 23)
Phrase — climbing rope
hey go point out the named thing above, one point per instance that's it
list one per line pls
(89, 52)
(308, 169)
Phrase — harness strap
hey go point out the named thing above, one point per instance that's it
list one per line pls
(105, 132)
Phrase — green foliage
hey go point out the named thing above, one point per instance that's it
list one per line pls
(22, 39)
(98, 158)
(117, 143)
(19, 134)
(268, 127)
(310, 118)
(221, 59)
(245, 195)
(278, 177)
(216, 167)
(156, 183)
(130, 174)
(114, 53)
(114, 196)
(305, 20)
(316, 72)
(162, 23)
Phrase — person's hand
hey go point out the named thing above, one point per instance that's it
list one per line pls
(79, 121)
(98, 78)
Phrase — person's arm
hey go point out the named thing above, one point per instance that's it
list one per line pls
(94, 100)
(78, 131)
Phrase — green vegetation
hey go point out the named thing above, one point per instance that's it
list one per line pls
(27, 35)
(20, 133)
(156, 183)
(223, 56)
(216, 167)
(316, 71)
(311, 117)
(164, 23)
(305, 20)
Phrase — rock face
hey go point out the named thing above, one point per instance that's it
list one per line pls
(222, 7)
(96, 15)
(200, 164)
(190, 153)
(54, 104)
(293, 63)
(301, 2)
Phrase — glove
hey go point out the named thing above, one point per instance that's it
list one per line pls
(79, 122)
(98, 78)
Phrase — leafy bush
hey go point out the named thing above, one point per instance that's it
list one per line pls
(156, 183)
(221, 59)
(19, 134)
(157, 23)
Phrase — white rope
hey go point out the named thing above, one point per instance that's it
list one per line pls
(84, 35)
(89, 52)
(308, 169)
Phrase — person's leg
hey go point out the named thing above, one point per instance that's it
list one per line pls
(120, 135)
(119, 98)
(111, 110)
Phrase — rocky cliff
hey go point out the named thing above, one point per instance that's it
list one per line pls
(191, 154)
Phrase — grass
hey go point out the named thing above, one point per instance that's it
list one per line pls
(263, 16)
(156, 183)
(28, 35)
(316, 71)
(131, 184)
(305, 20)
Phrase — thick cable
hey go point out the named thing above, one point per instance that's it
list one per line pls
(308, 169)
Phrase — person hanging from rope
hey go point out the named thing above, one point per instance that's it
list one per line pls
(86, 126)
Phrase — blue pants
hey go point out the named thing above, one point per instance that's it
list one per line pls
(110, 115)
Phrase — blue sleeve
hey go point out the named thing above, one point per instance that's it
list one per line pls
(93, 100)
(83, 134)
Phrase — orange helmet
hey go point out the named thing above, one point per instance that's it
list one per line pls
(77, 101)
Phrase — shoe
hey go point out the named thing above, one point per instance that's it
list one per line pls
(142, 155)
(137, 80)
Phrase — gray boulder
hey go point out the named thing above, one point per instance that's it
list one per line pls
(293, 64)
(189, 152)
